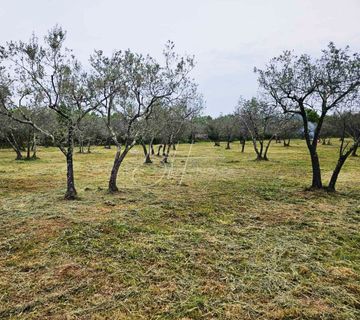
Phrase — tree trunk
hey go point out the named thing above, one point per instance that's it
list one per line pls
(316, 172)
(152, 148)
(34, 147)
(342, 158)
(70, 191)
(119, 157)
(164, 149)
(81, 145)
(146, 153)
(287, 144)
(18, 155)
(261, 157)
(165, 159)
(353, 153)
(159, 150)
(108, 143)
(335, 174)
(339, 165)
(261, 147)
(15, 146)
(114, 171)
(192, 138)
(243, 145)
(228, 145)
(166, 153)
(144, 148)
(28, 147)
(262, 153)
(147, 158)
(89, 146)
(267, 149)
(258, 153)
(312, 146)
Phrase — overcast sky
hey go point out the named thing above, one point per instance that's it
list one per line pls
(228, 37)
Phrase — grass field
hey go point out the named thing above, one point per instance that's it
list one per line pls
(213, 235)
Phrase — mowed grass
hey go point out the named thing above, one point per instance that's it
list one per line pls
(212, 235)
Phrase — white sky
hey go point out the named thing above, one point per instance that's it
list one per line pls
(228, 37)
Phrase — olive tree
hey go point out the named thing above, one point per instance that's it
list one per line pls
(44, 74)
(154, 126)
(142, 83)
(179, 111)
(241, 129)
(301, 83)
(228, 128)
(259, 118)
(14, 134)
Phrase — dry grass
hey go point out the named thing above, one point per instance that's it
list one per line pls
(237, 239)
